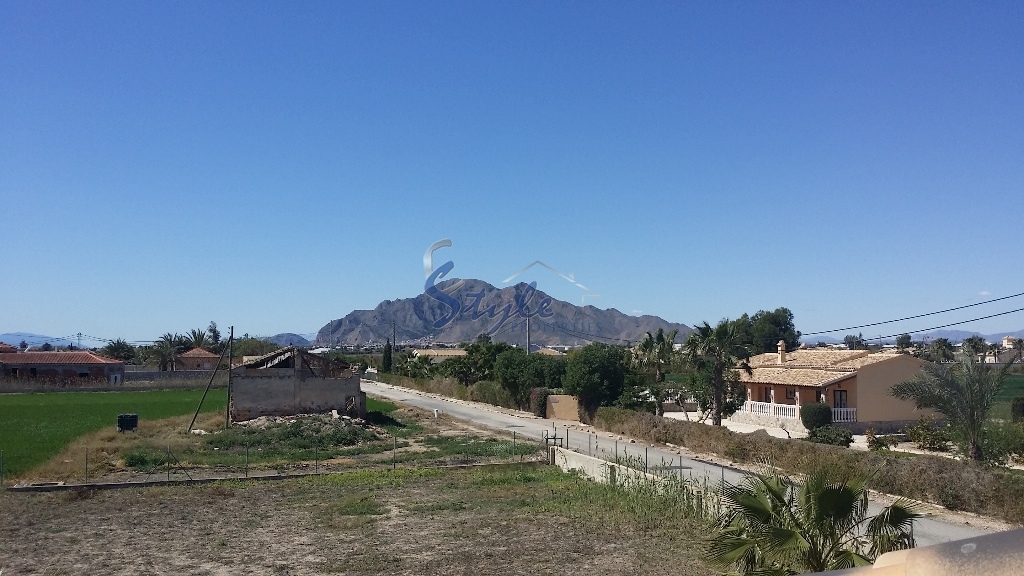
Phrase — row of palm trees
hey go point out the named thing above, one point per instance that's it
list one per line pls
(165, 350)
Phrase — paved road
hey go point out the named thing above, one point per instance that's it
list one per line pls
(927, 531)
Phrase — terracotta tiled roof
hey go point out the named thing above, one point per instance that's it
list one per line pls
(811, 367)
(70, 358)
(198, 353)
(7, 348)
(808, 358)
(796, 376)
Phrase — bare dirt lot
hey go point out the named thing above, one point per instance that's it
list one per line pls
(510, 519)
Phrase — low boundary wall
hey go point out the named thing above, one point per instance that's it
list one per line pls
(596, 469)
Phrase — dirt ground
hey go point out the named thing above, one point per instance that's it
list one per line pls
(513, 519)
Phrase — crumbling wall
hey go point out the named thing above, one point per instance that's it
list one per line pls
(284, 395)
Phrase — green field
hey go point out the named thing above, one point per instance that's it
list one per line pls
(35, 427)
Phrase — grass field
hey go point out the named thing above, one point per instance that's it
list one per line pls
(1013, 387)
(35, 427)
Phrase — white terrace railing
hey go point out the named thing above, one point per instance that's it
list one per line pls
(771, 409)
(844, 414)
(792, 411)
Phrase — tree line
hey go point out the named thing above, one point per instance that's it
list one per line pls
(163, 353)
(708, 365)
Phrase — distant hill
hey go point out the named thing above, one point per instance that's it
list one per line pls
(288, 339)
(413, 319)
(954, 336)
(15, 338)
(812, 340)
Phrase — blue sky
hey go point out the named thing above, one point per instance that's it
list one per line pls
(277, 165)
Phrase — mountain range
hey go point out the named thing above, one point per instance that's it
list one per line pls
(483, 308)
(954, 336)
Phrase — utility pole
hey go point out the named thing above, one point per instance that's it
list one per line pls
(527, 334)
(394, 338)
(231, 359)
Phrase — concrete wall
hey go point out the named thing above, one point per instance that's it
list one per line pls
(151, 375)
(283, 395)
(792, 424)
(595, 469)
(875, 402)
(563, 407)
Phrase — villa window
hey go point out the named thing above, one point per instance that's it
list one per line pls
(790, 393)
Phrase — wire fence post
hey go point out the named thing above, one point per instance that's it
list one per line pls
(394, 453)
(590, 452)
(616, 450)
(86, 464)
(646, 459)
(168, 462)
(513, 444)
(316, 459)
(246, 459)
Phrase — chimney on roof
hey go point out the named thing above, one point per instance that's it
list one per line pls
(782, 351)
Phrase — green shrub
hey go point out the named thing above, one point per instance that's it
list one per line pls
(815, 415)
(539, 402)
(145, 457)
(878, 442)
(834, 435)
(1017, 409)
(928, 436)
(491, 393)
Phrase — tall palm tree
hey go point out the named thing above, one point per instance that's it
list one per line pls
(719, 353)
(941, 350)
(653, 352)
(119, 349)
(773, 526)
(964, 393)
(197, 339)
(166, 350)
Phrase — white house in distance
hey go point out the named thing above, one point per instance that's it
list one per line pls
(855, 383)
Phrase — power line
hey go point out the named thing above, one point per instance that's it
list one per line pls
(919, 316)
(951, 324)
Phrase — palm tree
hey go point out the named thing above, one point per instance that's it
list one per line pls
(964, 393)
(119, 349)
(197, 339)
(1018, 345)
(166, 350)
(654, 352)
(941, 350)
(773, 526)
(719, 353)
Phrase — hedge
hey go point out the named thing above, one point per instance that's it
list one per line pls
(815, 415)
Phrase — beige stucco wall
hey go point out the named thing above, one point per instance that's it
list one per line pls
(875, 403)
(563, 407)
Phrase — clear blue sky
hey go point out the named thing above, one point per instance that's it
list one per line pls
(276, 165)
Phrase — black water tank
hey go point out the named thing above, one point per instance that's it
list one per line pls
(127, 422)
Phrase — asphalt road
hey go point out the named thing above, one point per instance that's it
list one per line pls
(927, 530)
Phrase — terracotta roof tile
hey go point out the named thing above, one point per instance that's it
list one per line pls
(811, 367)
(198, 353)
(70, 358)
